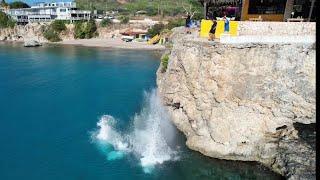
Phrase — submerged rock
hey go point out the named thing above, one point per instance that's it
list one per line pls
(31, 43)
(242, 101)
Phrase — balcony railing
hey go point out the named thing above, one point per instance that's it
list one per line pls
(80, 12)
(40, 16)
(78, 18)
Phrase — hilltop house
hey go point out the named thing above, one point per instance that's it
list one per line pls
(44, 12)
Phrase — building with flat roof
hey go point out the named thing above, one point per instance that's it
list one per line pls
(278, 10)
(262, 10)
(45, 12)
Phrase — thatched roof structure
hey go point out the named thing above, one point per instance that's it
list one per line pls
(209, 3)
(218, 2)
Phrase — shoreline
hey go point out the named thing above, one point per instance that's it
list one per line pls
(109, 43)
(116, 43)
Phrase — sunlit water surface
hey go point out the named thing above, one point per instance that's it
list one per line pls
(72, 112)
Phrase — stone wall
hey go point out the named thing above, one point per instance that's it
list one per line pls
(277, 28)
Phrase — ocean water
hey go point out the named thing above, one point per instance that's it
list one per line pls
(71, 112)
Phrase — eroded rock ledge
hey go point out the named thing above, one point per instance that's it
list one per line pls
(241, 101)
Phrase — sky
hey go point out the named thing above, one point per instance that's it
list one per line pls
(30, 2)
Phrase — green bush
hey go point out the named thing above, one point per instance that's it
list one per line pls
(52, 31)
(105, 22)
(164, 63)
(156, 29)
(124, 19)
(58, 26)
(85, 30)
(78, 30)
(175, 23)
(91, 29)
(6, 21)
(11, 23)
(159, 28)
(51, 35)
(151, 11)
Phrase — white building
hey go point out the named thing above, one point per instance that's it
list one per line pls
(43, 12)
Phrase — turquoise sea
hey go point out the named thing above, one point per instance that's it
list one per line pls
(80, 113)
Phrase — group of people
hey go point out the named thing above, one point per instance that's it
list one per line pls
(213, 27)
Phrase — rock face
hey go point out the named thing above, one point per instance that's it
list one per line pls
(241, 101)
(21, 33)
(35, 30)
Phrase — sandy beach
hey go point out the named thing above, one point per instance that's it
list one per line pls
(112, 43)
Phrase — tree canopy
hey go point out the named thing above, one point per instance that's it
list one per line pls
(3, 3)
(18, 4)
(6, 21)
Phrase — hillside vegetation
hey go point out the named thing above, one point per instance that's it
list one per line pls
(6, 21)
(152, 7)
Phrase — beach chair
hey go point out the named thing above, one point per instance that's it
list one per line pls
(154, 40)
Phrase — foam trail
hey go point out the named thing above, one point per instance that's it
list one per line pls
(149, 138)
(110, 142)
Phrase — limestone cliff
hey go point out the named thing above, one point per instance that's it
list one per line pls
(34, 31)
(21, 33)
(243, 101)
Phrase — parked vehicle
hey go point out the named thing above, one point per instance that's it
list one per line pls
(127, 38)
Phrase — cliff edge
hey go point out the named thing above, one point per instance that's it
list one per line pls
(244, 101)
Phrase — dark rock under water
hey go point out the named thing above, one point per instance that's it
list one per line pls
(296, 155)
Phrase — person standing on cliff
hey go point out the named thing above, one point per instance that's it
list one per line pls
(188, 24)
(212, 30)
(226, 23)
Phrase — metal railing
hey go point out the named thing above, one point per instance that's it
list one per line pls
(80, 12)
(79, 18)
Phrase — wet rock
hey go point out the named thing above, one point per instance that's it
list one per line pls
(31, 43)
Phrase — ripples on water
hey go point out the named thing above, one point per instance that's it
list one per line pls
(51, 97)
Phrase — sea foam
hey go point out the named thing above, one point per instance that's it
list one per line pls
(150, 137)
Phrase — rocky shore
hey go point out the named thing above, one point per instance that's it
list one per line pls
(244, 101)
(34, 32)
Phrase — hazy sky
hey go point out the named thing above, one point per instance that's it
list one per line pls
(33, 1)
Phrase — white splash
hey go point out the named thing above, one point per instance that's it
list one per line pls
(108, 134)
(150, 137)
